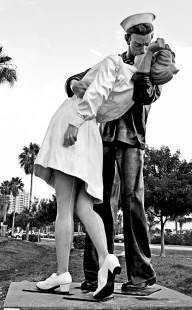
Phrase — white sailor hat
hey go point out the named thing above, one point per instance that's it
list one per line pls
(136, 19)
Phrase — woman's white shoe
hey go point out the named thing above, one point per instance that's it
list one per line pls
(106, 277)
(63, 281)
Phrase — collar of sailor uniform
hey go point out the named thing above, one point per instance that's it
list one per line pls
(127, 59)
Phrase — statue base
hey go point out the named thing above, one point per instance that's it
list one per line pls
(24, 296)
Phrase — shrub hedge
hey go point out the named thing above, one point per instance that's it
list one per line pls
(79, 241)
(174, 239)
(32, 238)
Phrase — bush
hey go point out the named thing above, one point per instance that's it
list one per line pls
(156, 240)
(188, 237)
(32, 238)
(174, 239)
(79, 241)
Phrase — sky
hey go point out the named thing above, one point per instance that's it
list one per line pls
(50, 40)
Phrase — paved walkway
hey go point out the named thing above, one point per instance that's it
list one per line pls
(158, 246)
(172, 247)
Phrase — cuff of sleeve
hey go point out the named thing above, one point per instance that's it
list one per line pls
(137, 76)
(77, 120)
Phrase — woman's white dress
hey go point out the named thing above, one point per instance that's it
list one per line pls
(85, 158)
(82, 160)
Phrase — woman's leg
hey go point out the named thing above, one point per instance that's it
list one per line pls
(93, 223)
(65, 186)
(108, 263)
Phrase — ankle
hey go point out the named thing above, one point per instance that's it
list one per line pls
(101, 260)
(61, 272)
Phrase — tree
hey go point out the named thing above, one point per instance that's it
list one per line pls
(47, 210)
(168, 186)
(5, 190)
(16, 185)
(184, 175)
(10, 219)
(151, 221)
(21, 220)
(7, 70)
(181, 220)
(26, 161)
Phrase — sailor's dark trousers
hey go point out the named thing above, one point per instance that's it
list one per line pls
(129, 161)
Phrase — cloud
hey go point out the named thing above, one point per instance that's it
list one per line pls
(183, 56)
(27, 3)
(4, 42)
(34, 36)
(97, 53)
(119, 34)
(30, 55)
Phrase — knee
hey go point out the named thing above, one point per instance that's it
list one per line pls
(132, 200)
(64, 214)
(134, 191)
(80, 212)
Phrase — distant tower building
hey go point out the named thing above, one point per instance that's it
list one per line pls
(20, 203)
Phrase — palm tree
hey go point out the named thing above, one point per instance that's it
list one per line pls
(26, 161)
(5, 190)
(182, 220)
(7, 70)
(16, 185)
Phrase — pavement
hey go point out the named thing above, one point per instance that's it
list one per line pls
(121, 245)
(172, 247)
(158, 246)
(24, 296)
(119, 248)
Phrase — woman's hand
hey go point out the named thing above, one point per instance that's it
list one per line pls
(155, 46)
(70, 136)
(158, 45)
(79, 87)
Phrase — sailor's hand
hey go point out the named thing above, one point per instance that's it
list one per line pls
(79, 87)
(70, 136)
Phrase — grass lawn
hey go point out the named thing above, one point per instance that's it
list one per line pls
(21, 260)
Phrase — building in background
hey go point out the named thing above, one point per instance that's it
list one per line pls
(20, 203)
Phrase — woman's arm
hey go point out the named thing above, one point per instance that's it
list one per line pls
(102, 84)
(98, 91)
(73, 87)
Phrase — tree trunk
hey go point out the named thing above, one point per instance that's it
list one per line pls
(39, 235)
(162, 238)
(176, 226)
(79, 228)
(150, 234)
(180, 227)
(27, 231)
(13, 221)
(30, 204)
(5, 212)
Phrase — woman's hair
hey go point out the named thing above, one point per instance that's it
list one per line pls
(163, 67)
(141, 29)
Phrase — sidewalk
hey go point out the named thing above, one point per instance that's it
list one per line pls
(120, 246)
(172, 247)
